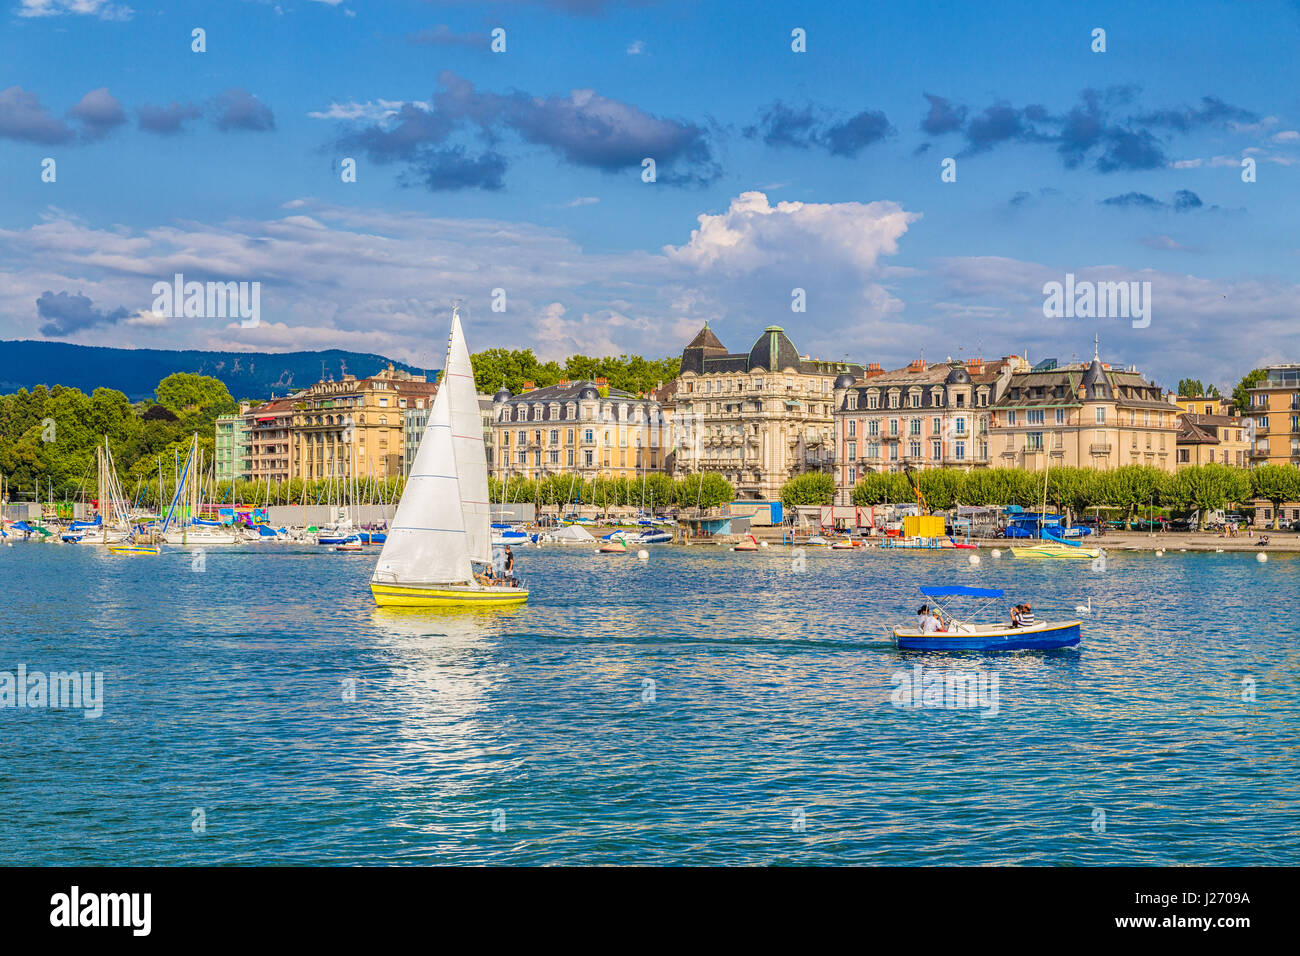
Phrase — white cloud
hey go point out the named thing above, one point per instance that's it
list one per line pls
(636, 48)
(372, 111)
(102, 9)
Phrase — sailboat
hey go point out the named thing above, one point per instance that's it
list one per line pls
(438, 552)
(1050, 546)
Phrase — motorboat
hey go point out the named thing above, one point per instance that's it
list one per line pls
(960, 631)
(747, 543)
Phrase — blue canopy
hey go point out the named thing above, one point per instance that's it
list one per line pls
(963, 591)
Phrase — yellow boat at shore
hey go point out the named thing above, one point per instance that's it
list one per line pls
(1057, 550)
(134, 549)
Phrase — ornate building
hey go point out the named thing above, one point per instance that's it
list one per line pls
(921, 416)
(577, 427)
(758, 418)
(1084, 414)
(355, 426)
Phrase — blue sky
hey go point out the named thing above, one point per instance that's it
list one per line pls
(521, 170)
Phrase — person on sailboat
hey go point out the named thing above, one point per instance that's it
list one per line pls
(510, 566)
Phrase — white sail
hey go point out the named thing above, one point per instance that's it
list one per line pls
(467, 439)
(427, 543)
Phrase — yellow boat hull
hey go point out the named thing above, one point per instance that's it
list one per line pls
(400, 595)
(133, 549)
(1077, 554)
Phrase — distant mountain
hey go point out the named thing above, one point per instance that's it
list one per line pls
(137, 372)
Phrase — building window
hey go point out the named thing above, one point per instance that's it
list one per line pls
(914, 449)
(1101, 416)
(853, 450)
(1060, 416)
(1011, 417)
(959, 450)
(936, 450)
(873, 427)
(914, 426)
(1034, 416)
(1034, 441)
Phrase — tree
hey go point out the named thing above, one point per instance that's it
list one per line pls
(1206, 488)
(1190, 388)
(814, 488)
(1241, 395)
(1130, 487)
(1275, 484)
(941, 487)
(706, 490)
(881, 487)
(185, 393)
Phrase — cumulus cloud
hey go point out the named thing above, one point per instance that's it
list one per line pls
(804, 127)
(99, 112)
(168, 119)
(22, 117)
(1100, 128)
(583, 128)
(1184, 200)
(67, 314)
(238, 109)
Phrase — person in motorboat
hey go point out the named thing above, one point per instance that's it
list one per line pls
(1015, 616)
(929, 624)
(1026, 616)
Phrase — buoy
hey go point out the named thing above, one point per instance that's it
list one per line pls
(643, 555)
(1261, 557)
(762, 544)
(1218, 551)
(974, 559)
(1160, 552)
(996, 553)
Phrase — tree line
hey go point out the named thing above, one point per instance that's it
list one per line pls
(1071, 490)
(514, 367)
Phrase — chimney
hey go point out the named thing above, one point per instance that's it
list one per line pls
(601, 383)
(529, 386)
(975, 366)
(563, 381)
(873, 368)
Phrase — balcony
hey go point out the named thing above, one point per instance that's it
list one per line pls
(1099, 449)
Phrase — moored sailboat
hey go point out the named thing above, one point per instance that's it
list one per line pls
(438, 550)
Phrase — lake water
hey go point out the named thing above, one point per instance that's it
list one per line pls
(701, 707)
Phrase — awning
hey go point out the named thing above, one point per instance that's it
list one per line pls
(962, 591)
